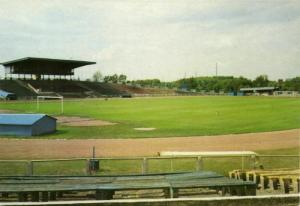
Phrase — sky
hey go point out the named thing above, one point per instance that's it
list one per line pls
(164, 39)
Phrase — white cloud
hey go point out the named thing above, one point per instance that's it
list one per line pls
(163, 39)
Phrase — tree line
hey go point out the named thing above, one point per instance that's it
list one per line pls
(222, 83)
(233, 84)
(98, 77)
(207, 84)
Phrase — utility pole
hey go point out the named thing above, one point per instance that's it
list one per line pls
(216, 69)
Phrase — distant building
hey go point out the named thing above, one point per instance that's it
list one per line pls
(26, 124)
(286, 93)
(259, 90)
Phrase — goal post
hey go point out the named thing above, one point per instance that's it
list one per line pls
(61, 98)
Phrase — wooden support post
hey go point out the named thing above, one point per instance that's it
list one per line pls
(238, 176)
(282, 185)
(232, 191)
(145, 166)
(166, 192)
(275, 183)
(255, 178)
(175, 192)
(254, 161)
(242, 175)
(45, 197)
(52, 195)
(243, 190)
(295, 185)
(251, 190)
(272, 184)
(104, 194)
(264, 182)
(22, 196)
(35, 196)
(30, 168)
(231, 174)
(217, 190)
(171, 193)
(248, 176)
(239, 191)
(4, 195)
(199, 166)
(88, 169)
(109, 194)
(224, 191)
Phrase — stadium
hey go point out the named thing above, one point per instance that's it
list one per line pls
(149, 103)
(174, 159)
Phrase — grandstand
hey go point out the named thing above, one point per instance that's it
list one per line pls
(29, 77)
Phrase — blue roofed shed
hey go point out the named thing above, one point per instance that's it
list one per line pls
(7, 95)
(26, 124)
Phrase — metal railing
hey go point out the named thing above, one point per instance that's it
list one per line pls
(144, 165)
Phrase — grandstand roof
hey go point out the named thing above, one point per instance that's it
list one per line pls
(34, 65)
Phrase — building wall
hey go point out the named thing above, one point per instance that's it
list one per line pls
(45, 125)
(15, 130)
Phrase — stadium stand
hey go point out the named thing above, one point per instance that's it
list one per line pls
(102, 88)
(28, 89)
(30, 77)
(17, 87)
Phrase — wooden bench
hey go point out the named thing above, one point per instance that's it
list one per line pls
(41, 188)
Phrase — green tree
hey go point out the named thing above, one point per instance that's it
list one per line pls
(114, 78)
(97, 76)
(261, 81)
(122, 78)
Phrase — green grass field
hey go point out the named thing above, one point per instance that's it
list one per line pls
(172, 116)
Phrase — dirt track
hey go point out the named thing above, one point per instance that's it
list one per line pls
(39, 149)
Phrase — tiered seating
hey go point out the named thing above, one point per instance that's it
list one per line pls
(16, 87)
(103, 88)
(56, 86)
(68, 88)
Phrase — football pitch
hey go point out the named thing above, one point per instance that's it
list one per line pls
(170, 116)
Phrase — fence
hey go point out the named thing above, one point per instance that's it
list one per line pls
(144, 165)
